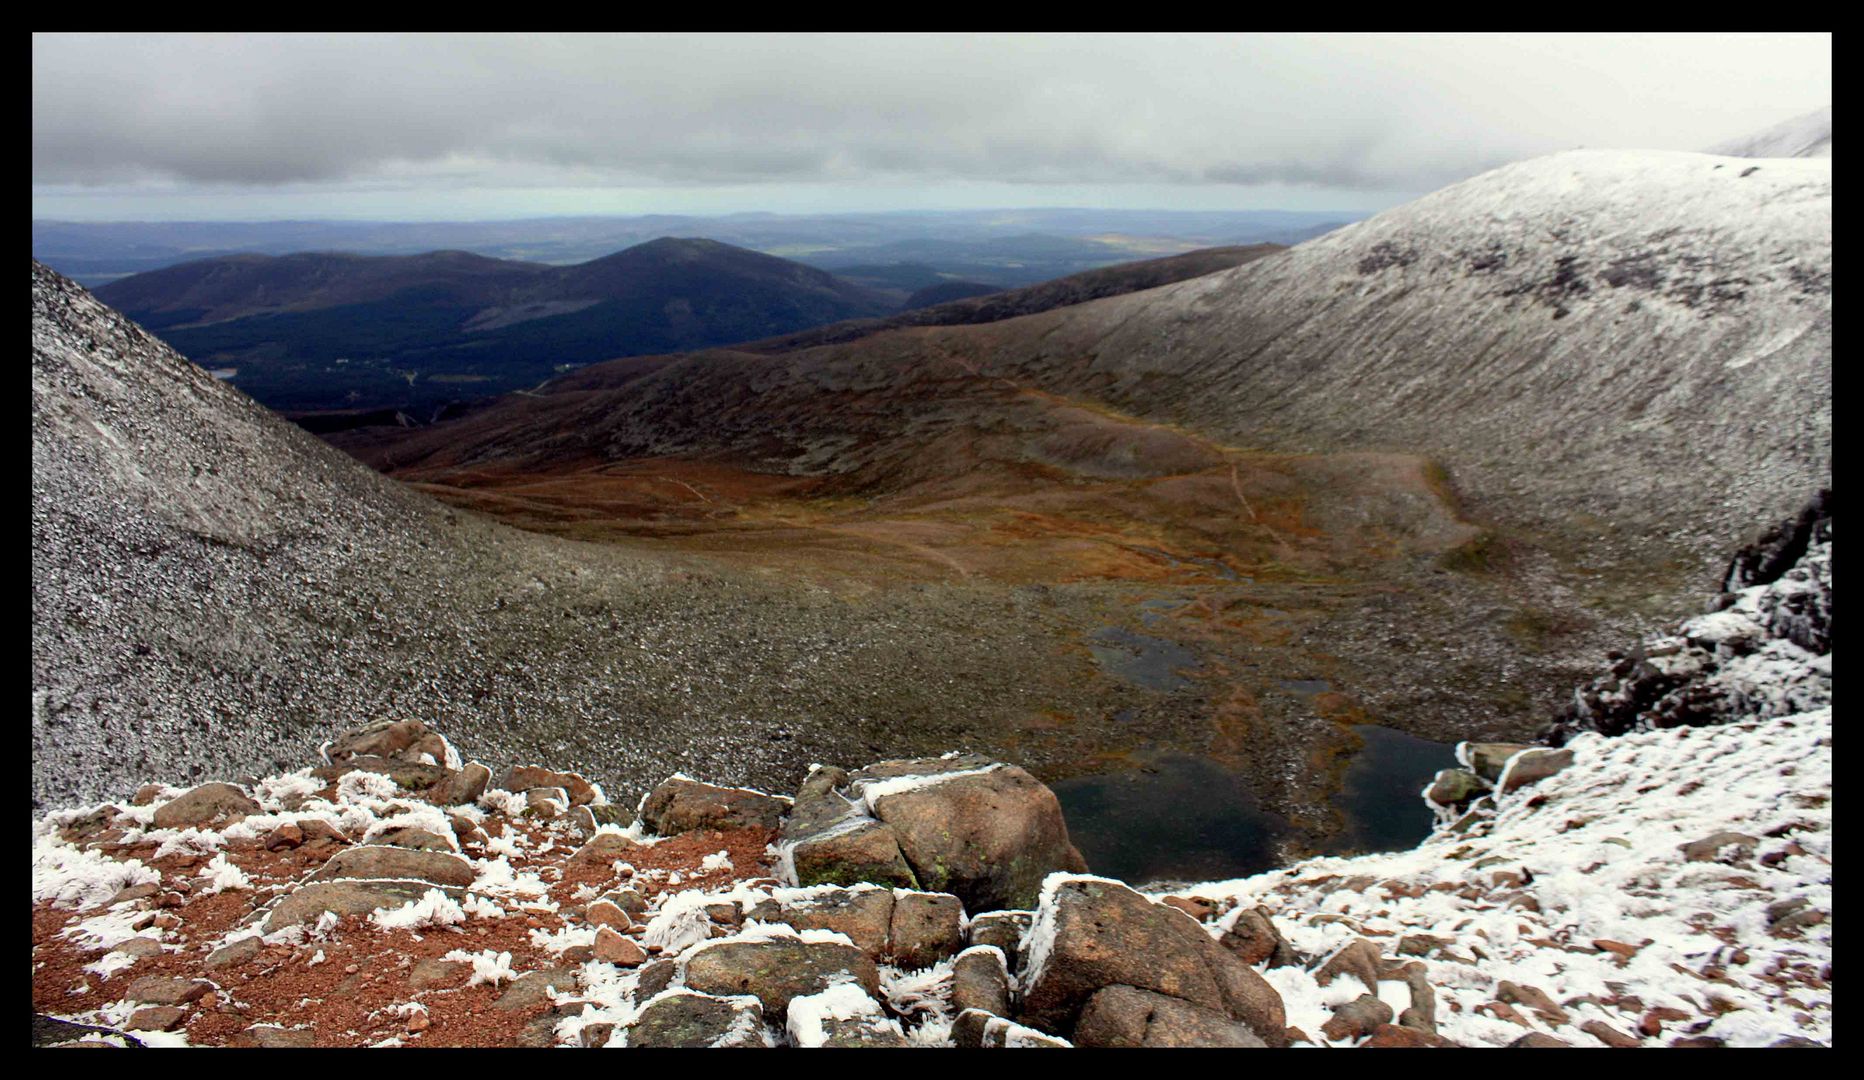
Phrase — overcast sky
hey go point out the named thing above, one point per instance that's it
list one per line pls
(460, 127)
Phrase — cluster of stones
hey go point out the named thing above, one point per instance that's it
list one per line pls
(893, 857)
(956, 861)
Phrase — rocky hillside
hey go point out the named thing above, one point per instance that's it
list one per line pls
(1622, 357)
(1599, 369)
(1672, 886)
(213, 590)
(995, 305)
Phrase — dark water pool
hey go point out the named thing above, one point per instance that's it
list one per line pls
(1182, 817)
(1380, 794)
(1176, 817)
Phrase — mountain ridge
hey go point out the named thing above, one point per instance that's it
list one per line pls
(338, 330)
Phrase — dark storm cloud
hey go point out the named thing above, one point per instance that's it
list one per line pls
(515, 111)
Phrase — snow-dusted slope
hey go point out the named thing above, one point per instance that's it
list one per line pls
(1808, 136)
(1628, 351)
(214, 589)
(1596, 854)
(1678, 867)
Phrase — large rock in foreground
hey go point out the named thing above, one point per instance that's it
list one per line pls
(1123, 1016)
(685, 1020)
(986, 832)
(204, 805)
(776, 970)
(1092, 933)
(682, 804)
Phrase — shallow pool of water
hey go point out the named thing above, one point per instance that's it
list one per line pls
(1380, 796)
(1177, 817)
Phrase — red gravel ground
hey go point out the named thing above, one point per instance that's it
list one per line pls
(348, 998)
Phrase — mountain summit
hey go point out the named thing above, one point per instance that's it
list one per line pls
(319, 331)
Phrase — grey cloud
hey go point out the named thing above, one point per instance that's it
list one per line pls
(1359, 112)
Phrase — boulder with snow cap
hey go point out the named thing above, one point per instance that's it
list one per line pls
(1003, 929)
(308, 903)
(378, 862)
(1487, 759)
(976, 1029)
(685, 1020)
(776, 969)
(1531, 767)
(408, 775)
(604, 848)
(1455, 788)
(1252, 936)
(926, 928)
(843, 1015)
(522, 778)
(863, 913)
(980, 979)
(1091, 933)
(681, 804)
(546, 803)
(611, 814)
(387, 739)
(461, 787)
(204, 805)
(1125, 1016)
(986, 832)
(857, 849)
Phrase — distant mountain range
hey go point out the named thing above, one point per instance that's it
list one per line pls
(895, 252)
(320, 331)
(337, 339)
